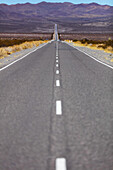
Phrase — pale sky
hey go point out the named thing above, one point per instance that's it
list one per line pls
(102, 2)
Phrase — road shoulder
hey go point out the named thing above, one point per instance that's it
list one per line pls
(98, 55)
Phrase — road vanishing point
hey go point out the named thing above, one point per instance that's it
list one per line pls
(56, 111)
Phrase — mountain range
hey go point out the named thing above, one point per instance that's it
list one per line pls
(70, 17)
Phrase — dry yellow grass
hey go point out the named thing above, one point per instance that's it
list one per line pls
(109, 49)
(6, 51)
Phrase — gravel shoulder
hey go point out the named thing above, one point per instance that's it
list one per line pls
(97, 54)
(9, 59)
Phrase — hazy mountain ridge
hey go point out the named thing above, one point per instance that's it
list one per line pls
(70, 17)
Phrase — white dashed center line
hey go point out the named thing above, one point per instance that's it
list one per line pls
(57, 83)
(58, 107)
(56, 49)
(56, 52)
(61, 164)
(57, 71)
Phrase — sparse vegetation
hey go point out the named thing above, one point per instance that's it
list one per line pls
(89, 36)
(11, 42)
(107, 46)
(8, 47)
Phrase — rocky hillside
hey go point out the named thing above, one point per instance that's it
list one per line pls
(42, 16)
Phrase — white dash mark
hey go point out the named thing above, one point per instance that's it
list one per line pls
(56, 65)
(57, 71)
(57, 83)
(58, 107)
(56, 61)
(56, 58)
(61, 164)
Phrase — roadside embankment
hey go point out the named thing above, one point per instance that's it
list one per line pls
(13, 52)
(6, 49)
(102, 51)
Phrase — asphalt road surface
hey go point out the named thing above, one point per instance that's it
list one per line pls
(56, 112)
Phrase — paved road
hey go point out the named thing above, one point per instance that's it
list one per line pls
(56, 32)
(32, 136)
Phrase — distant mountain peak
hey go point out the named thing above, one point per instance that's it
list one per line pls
(94, 3)
(78, 16)
(67, 3)
(43, 2)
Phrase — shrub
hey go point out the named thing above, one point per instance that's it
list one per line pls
(101, 45)
(4, 51)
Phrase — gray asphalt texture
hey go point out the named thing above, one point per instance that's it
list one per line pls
(15, 56)
(32, 136)
(100, 55)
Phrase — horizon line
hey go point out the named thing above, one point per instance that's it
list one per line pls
(54, 3)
